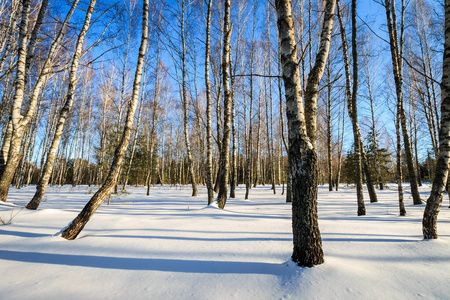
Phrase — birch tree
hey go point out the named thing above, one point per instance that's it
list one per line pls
(63, 114)
(209, 150)
(76, 226)
(19, 122)
(429, 223)
(302, 153)
(396, 47)
(351, 94)
(225, 153)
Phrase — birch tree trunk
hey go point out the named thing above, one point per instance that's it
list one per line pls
(6, 174)
(136, 133)
(233, 179)
(401, 202)
(351, 106)
(248, 181)
(315, 75)
(328, 118)
(256, 176)
(209, 146)
(26, 54)
(269, 112)
(75, 227)
(365, 167)
(63, 114)
(5, 146)
(374, 133)
(185, 104)
(302, 155)
(396, 54)
(283, 138)
(152, 138)
(225, 152)
(340, 148)
(429, 223)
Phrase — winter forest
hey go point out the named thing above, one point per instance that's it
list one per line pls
(218, 135)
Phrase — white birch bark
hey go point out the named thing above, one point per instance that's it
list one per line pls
(209, 146)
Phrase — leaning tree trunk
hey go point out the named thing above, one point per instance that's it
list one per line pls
(75, 227)
(225, 153)
(63, 114)
(302, 155)
(397, 71)
(429, 223)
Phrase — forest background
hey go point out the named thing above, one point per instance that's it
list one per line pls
(157, 152)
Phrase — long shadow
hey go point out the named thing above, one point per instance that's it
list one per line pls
(249, 239)
(150, 264)
(22, 234)
(396, 259)
(373, 240)
(372, 218)
(180, 213)
(372, 234)
(192, 231)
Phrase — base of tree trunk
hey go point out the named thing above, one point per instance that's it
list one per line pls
(76, 226)
(210, 195)
(361, 211)
(306, 234)
(429, 222)
(194, 190)
(4, 194)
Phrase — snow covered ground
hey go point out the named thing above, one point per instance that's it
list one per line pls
(171, 246)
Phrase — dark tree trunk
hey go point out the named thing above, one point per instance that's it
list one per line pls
(302, 155)
(225, 152)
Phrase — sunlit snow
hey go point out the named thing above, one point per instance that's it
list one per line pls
(172, 246)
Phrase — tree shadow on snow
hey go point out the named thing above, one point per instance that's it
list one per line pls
(184, 238)
(151, 264)
(22, 234)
